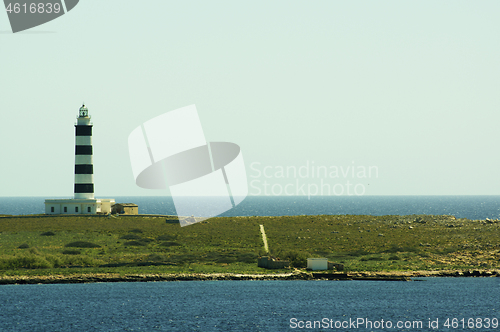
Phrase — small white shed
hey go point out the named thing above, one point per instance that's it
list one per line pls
(316, 264)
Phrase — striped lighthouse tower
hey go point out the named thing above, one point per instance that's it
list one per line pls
(84, 201)
(84, 169)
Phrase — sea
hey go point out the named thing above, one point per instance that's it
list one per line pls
(471, 207)
(423, 304)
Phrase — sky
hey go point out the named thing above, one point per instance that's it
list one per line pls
(323, 97)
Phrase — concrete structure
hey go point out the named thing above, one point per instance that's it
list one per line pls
(125, 208)
(271, 263)
(316, 264)
(84, 201)
(78, 206)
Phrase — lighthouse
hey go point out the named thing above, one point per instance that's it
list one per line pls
(84, 201)
(84, 168)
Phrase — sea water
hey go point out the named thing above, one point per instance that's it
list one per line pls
(426, 304)
(471, 207)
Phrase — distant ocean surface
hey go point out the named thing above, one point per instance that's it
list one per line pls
(471, 207)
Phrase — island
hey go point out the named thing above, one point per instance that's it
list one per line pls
(107, 248)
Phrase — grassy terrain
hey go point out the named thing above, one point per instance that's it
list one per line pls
(94, 244)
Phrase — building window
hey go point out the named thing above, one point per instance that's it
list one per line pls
(65, 209)
(76, 208)
(89, 209)
(51, 209)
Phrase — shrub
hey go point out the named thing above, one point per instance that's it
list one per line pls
(80, 260)
(225, 260)
(71, 252)
(359, 252)
(184, 258)
(54, 261)
(24, 246)
(166, 237)
(135, 243)
(155, 258)
(444, 251)
(169, 244)
(296, 259)
(247, 258)
(131, 237)
(82, 244)
(394, 249)
(371, 258)
(135, 230)
(48, 234)
(322, 253)
(25, 262)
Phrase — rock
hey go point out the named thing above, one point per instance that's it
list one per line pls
(420, 220)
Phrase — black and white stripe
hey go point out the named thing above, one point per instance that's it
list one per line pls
(84, 169)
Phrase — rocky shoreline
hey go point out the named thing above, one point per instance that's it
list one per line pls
(296, 275)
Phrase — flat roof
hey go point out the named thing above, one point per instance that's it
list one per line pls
(78, 201)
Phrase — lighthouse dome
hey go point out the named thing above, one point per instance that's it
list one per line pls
(84, 112)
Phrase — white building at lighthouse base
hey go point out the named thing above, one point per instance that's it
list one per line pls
(78, 206)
